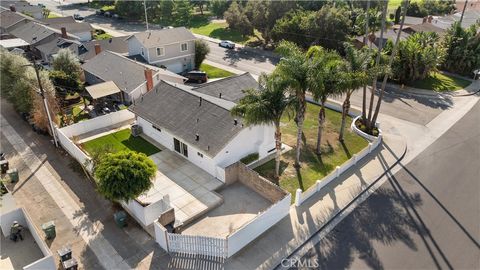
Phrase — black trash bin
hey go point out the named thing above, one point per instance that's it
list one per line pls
(65, 253)
(4, 166)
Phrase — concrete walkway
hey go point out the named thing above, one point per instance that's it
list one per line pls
(304, 221)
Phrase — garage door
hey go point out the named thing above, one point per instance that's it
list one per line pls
(175, 67)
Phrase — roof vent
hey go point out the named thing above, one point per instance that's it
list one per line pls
(200, 102)
(220, 95)
(198, 120)
(208, 147)
(197, 137)
(235, 122)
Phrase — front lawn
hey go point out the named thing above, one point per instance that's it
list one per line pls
(218, 30)
(121, 140)
(100, 34)
(313, 168)
(214, 72)
(441, 83)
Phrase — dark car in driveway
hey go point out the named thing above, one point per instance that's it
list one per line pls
(196, 76)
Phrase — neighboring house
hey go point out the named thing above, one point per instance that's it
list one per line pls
(23, 7)
(198, 125)
(113, 44)
(133, 78)
(82, 30)
(85, 51)
(49, 49)
(10, 19)
(172, 48)
(423, 27)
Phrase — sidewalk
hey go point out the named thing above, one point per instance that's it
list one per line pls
(290, 233)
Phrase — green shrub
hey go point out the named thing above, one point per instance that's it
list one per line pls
(250, 158)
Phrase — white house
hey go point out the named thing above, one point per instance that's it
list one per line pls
(198, 125)
(133, 78)
(172, 48)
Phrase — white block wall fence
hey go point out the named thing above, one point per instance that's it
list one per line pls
(374, 142)
(223, 247)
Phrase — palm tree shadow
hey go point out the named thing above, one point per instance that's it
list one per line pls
(381, 218)
(299, 178)
(345, 149)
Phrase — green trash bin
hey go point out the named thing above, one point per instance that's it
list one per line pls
(120, 218)
(13, 175)
(49, 229)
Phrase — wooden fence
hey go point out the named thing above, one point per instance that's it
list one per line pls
(195, 244)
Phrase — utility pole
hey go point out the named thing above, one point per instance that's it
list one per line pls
(145, 8)
(463, 12)
(45, 104)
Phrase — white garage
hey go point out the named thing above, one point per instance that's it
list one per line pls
(176, 67)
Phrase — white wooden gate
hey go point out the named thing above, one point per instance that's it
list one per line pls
(195, 244)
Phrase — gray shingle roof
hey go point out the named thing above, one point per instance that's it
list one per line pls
(9, 18)
(108, 66)
(74, 27)
(58, 20)
(53, 46)
(33, 32)
(231, 88)
(165, 36)
(114, 44)
(180, 113)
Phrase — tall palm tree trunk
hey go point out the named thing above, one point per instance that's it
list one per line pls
(390, 62)
(278, 148)
(365, 40)
(321, 122)
(345, 109)
(374, 83)
(300, 118)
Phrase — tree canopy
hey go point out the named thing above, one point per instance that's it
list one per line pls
(201, 51)
(124, 175)
(462, 49)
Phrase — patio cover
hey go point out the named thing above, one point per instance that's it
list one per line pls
(13, 43)
(102, 89)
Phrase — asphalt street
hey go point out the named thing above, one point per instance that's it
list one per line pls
(424, 217)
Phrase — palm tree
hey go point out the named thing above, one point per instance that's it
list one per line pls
(356, 76)
(325, 78)
(293, 69)
(390, 61)
(266, 106)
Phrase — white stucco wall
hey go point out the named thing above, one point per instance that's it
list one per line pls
(250, 140)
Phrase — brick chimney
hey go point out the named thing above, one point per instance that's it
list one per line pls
(98, 49)
(13, 9)
(64, 32)
(149, 78)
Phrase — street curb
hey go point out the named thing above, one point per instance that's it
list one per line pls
(344, 210)
(429, 93)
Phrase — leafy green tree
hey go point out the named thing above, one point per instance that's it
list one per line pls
(462, 49)
(218, 7)
(267, 106)
(201, 51)
(238, 20)
(328, 27)
(166, 11)
(183, 12)
(325, 77)
(130, 9)
(67, 62)
(293, 69)
(431, 7)
(200, 4)
(124, 175)
(417, 56)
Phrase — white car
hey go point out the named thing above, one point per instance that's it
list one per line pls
(227, 44)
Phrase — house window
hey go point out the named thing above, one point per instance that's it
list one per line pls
(157, 128)
(200, 154)
(180, 147)
(160, 52)
(184, 47)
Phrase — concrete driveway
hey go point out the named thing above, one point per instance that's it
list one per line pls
(190, 189)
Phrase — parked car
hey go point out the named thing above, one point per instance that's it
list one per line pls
(100, 12)
(196, 76)
(227, 44)
(41, 5)
(116, 16)
(78, 17)
(108, 14)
